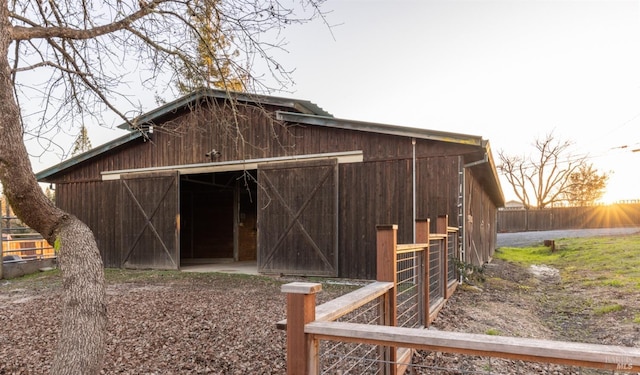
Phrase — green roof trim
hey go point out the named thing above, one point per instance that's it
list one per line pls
(44, 174)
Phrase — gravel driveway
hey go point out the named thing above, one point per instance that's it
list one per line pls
(521, 239)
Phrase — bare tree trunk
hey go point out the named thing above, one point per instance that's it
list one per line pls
(84, 315)
(81, 340)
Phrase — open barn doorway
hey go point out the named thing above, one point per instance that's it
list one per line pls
(218, 218)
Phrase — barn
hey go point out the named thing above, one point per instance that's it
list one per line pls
(233, 176)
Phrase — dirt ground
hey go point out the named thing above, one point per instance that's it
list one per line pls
(531, 302)
(510, 300)
(172, 323)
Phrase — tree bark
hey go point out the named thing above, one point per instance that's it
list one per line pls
(84, 315)
(81, 346)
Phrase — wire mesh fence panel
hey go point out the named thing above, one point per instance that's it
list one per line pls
(351, 358)
(452, 255)
(422, 282)
(347, 358)
(410, 276)
(436, 290)
(369, 313)
(459, 364)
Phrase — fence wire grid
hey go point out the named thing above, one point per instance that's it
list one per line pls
(348, 358)
(365, 359)
(410, 276)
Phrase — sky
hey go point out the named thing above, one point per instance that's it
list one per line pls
(510, 71)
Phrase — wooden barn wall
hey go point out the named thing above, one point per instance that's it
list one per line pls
(371, 193)
(390, 202)
(438, 182)
(481, 217)
(99, 209)
(377, 191)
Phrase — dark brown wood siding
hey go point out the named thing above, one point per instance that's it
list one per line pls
(297, 218)
(97, 204)
(150, 217)
(371, 193)
(438, 189)
(481, 216)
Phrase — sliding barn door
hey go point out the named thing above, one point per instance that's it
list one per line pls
(150, 221)
(298, 218)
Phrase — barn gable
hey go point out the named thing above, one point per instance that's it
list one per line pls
(275, 180)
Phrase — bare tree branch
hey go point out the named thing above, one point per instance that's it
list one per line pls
(40, 32)
(47, 63)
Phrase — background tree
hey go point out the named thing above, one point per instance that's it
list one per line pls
(213, 51)
(51, 194)
(586, 186)
(75, 61)
(543, 179)
(82, 142)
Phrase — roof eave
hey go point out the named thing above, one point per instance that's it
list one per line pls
(43, 175)
(364, 126)
(494, 171)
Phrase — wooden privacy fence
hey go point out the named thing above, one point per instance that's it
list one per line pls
(609, 216)
(23, 242)
(377, 328)
(28, 249)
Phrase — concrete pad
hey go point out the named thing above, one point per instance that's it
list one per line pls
(245, 267)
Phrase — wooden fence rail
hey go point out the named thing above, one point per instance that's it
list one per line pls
(534, 350)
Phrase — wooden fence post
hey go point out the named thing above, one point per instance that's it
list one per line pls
(442, 226)
(422, 236)
(386, 255)
(422, 230)
(302, 351)
(387, 248)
